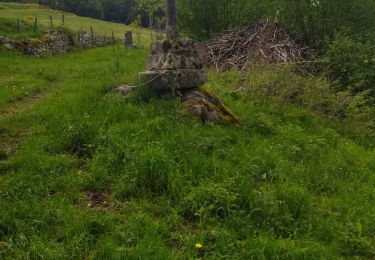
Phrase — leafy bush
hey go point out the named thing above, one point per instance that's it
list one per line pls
(351, 65)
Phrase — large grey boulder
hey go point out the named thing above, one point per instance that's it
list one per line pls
(174, 64)
(174, 79)
(8, 46)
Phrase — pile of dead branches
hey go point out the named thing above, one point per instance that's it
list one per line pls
(262, 42)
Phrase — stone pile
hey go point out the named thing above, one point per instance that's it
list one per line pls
(7, 43)
(33, 47)
(55, 42)
(174, 65)
(58, 41)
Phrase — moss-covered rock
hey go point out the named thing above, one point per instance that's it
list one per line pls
(208, 107)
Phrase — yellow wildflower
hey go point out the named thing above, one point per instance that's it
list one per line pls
(198, 246)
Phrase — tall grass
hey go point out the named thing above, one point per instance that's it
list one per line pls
(285, 184)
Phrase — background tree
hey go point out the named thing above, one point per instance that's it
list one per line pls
(152, 10)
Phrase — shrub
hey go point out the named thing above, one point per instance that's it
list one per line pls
(351, 65)
(283, 85)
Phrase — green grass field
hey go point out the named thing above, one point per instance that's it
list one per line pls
(284, 184)
(9, 12)
(88, 174)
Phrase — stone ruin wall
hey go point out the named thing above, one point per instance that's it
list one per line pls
(55, 42)
(86, 40)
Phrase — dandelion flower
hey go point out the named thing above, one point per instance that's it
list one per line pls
(198, 246)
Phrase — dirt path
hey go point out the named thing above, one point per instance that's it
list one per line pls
(10, 137)
(20, 106)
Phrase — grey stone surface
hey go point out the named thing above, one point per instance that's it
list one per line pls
(53, 41)
(8, 46)
(86, 41)
(170, 55)
(124, 90)
(174, 79)
(174, 64)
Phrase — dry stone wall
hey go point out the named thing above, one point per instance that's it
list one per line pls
(55, 42)
(87, 40)
(174, 64)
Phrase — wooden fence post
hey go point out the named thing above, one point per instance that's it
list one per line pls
(92, 37)
(18, 25)
(82, 40)
(51, 20)
(35, 24)
(113, 38)
(79, 34)
(63, 19)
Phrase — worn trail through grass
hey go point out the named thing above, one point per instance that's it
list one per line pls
(24, 86)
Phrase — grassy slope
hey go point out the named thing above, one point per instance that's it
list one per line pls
(284, 184)
(9, 12)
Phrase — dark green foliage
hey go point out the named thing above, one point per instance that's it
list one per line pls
(121, 11)
(351, 64)
(203, 18)
(319, 21)
(3, 154)
(313, 21)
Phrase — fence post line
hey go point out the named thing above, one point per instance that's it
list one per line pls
(51, 20)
